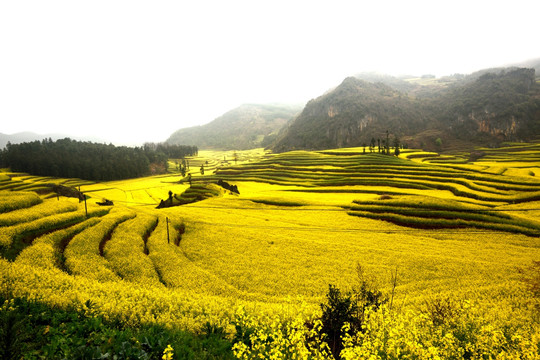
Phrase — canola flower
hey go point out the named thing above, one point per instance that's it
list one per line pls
(44, 225)
(176, 269)
(275, 338)
(466, 334)
(125, 251)
(45, 250)
(13, 200)
(46, 208)
(235, 268)
(168, 353)
(83, 253)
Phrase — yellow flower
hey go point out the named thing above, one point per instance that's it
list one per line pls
(168, 353)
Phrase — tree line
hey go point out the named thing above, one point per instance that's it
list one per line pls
(172, 151)
(91, 161)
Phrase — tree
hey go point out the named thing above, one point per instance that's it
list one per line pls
(387, 144)
(85, 160)
(438, 144)
(339, 309)
(396, 146)
(349, 307)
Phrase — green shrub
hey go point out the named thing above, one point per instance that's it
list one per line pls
(339, 309)
(350, 308)
(31, 330)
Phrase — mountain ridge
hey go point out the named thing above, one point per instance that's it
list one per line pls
(484, 108)
(244, 127)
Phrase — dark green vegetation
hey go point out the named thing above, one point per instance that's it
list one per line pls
(90, 161)
(503, 105)
(347, 308)
(194, 193)
(172, 151)
(246, 127)
(30, 330)
(197, 193)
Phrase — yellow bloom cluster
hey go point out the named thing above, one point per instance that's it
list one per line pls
(275, 338)
(414, 335)
(48, 207)
(83, 253)
(44, 224)
(130, 303)
(125, 251)
(45, 250)
(241, 257)
(168, 353)
(13, 200)
(174, 266)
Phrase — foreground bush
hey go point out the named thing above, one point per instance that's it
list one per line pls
(30, 330)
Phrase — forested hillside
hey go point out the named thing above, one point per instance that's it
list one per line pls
(246, 127)
(481, 109)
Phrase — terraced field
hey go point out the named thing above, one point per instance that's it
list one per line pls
(456, 231)
(324, 172)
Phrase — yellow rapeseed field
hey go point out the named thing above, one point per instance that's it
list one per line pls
(263, 259)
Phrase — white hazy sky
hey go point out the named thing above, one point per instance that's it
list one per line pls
(135, 71)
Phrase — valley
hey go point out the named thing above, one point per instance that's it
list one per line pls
(426, 229)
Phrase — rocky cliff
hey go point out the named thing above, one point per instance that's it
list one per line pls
(478, 110)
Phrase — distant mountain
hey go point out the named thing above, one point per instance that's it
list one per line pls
(351, 115)
(27, 136)
(246, 127)
(484, 108)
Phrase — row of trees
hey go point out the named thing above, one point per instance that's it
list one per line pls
(86, 160)
(172, 151)
(384, 145)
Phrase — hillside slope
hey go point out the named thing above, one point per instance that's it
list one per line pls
(477, 110)
(245, 127)
(351, 115)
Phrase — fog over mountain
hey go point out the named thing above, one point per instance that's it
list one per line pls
(245, 127)
(484, 108)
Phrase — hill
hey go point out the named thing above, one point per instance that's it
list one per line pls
(245, 127)
(351, 115)
(484, 108)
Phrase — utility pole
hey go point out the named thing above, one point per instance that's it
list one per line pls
(168, 240)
